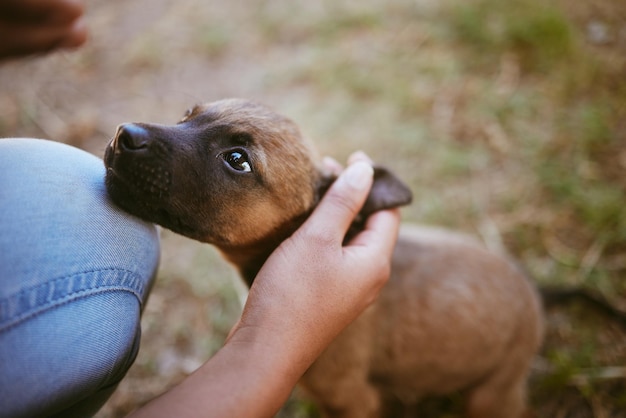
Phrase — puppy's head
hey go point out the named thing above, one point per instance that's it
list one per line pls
(229, 173)
(232, 173)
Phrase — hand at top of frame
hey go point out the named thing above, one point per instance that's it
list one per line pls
(38, 26)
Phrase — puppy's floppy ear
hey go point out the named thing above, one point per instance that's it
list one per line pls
(388, 191)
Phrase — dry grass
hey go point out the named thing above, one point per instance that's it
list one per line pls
(508, 119)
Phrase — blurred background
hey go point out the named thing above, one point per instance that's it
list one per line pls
(507, 118)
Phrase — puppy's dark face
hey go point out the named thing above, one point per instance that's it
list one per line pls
(229, 173)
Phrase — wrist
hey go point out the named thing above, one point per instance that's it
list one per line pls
(249, 374)
(271, 351)
(247, 377)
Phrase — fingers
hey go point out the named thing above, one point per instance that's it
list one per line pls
(342, 202)
(35, 26)
(335, 168)
(381, 231)
(359, 156)
(375, 244)
(59, 12)
(29, 40)
(373, 247)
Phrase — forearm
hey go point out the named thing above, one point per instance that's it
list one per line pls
(253, 374)
(39, 26)
(243, 379)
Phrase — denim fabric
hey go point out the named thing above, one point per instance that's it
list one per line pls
(74, 274)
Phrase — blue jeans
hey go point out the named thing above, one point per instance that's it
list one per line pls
(74, 274)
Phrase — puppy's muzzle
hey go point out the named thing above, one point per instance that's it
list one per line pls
(137, 162)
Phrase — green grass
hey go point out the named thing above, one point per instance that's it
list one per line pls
(537, 32)
(579, 122)
(213, 39)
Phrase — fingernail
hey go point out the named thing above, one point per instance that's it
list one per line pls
(359, 174)
(359, 156)
(69, 12)
(74, 36)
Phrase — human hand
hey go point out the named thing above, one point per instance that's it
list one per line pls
(312, 287)
(306, 293)
(38, 26)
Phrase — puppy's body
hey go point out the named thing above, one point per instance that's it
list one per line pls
(453, 316)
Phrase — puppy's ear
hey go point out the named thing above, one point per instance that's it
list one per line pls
(388, 191)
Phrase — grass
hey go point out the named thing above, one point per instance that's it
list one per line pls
(580, 128)
(537, 32)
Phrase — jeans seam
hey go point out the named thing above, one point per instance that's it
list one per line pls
(13, 312)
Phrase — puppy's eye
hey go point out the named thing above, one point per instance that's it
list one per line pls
(238, 160)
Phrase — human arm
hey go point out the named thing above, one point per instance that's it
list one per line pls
(307, 292)
(37, 26)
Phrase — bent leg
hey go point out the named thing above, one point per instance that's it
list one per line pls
(74, 274)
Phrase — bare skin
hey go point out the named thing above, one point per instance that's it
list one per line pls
(307, 292)
(39, 26)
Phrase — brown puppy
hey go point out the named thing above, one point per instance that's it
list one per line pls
(453, 316)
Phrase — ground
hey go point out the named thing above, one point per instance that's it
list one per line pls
(508, 120)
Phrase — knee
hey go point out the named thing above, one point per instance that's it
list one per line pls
(59, 220)
(75, 271)
(64, 358)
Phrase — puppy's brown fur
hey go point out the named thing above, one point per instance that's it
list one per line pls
(454, 317)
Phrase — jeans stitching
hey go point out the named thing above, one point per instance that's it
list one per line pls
(32, 301)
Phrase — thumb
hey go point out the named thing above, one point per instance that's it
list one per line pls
(343, 200)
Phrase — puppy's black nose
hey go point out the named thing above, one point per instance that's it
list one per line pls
(132, 137)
